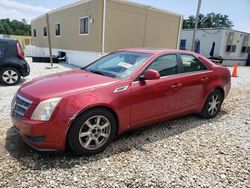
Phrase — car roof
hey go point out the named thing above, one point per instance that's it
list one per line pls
(156, 51)
(7, 40)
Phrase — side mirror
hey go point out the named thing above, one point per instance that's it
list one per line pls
(150, 74)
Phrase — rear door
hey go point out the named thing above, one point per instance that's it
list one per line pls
(194, 76)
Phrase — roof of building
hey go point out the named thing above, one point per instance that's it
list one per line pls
(121, 1)
(217, 29)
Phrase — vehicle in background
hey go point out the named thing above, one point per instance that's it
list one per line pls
(123, 90)
(12, 62)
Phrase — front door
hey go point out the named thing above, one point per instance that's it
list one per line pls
(154, 99)
(194, 78)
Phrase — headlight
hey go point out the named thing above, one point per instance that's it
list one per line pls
(45, 109)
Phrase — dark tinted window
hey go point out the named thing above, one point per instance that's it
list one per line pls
(165, 65)
(183, 44)
(84, 25)
(58, 29)
(191, 63)
(228, 49)
(243, 49)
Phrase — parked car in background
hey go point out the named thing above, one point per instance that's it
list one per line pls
(12, 62)
(124, 90)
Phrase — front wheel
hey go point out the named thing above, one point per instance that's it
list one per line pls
(92, 132)
(212, 105)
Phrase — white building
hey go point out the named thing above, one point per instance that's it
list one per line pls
(233, 46)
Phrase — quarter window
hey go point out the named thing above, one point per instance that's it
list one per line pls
(165, 65)
(191, 63)
(58, 29)
(84, 26)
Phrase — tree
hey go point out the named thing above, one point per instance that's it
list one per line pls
(14, 27)
(211, 20)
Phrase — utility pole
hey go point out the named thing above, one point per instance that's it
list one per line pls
(49, 40)
(196, 22)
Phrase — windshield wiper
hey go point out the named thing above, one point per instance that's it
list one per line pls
(96, 72)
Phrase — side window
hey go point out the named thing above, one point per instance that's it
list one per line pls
(165, 65)
(191, 63)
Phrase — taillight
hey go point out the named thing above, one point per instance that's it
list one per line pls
(19, 51)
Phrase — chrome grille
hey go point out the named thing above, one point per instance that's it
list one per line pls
(19, 106)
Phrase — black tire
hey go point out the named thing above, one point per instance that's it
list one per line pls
(207, 111)
(14, 76)
(76, 142)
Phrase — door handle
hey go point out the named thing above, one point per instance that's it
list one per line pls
(176, 85)
(204, 79)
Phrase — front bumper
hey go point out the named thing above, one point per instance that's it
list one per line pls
(42, 136)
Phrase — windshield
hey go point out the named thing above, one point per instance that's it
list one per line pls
(118, 64)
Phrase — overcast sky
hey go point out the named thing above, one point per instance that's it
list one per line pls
(238, 10)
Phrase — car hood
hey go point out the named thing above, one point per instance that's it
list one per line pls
(62, 84)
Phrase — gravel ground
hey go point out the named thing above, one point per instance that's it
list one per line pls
(185, 152)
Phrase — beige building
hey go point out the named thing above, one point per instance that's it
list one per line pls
(87, 29)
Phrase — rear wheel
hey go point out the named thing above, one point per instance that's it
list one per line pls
(92, 132)
(10, 76)
(212, 105)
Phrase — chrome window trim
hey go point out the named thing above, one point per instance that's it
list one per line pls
(178, 74)
(178, 58)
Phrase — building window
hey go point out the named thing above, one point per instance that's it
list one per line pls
(34, 33)
(183, 44)
(243, 49)
(84, 26)
(58, 29)
(231, 48)
(248, 49)
(45, 34)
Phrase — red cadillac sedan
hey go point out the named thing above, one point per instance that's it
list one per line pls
(123, 90)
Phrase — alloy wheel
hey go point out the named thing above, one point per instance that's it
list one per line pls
(214, 104)
(94, 132)
(10, 76)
